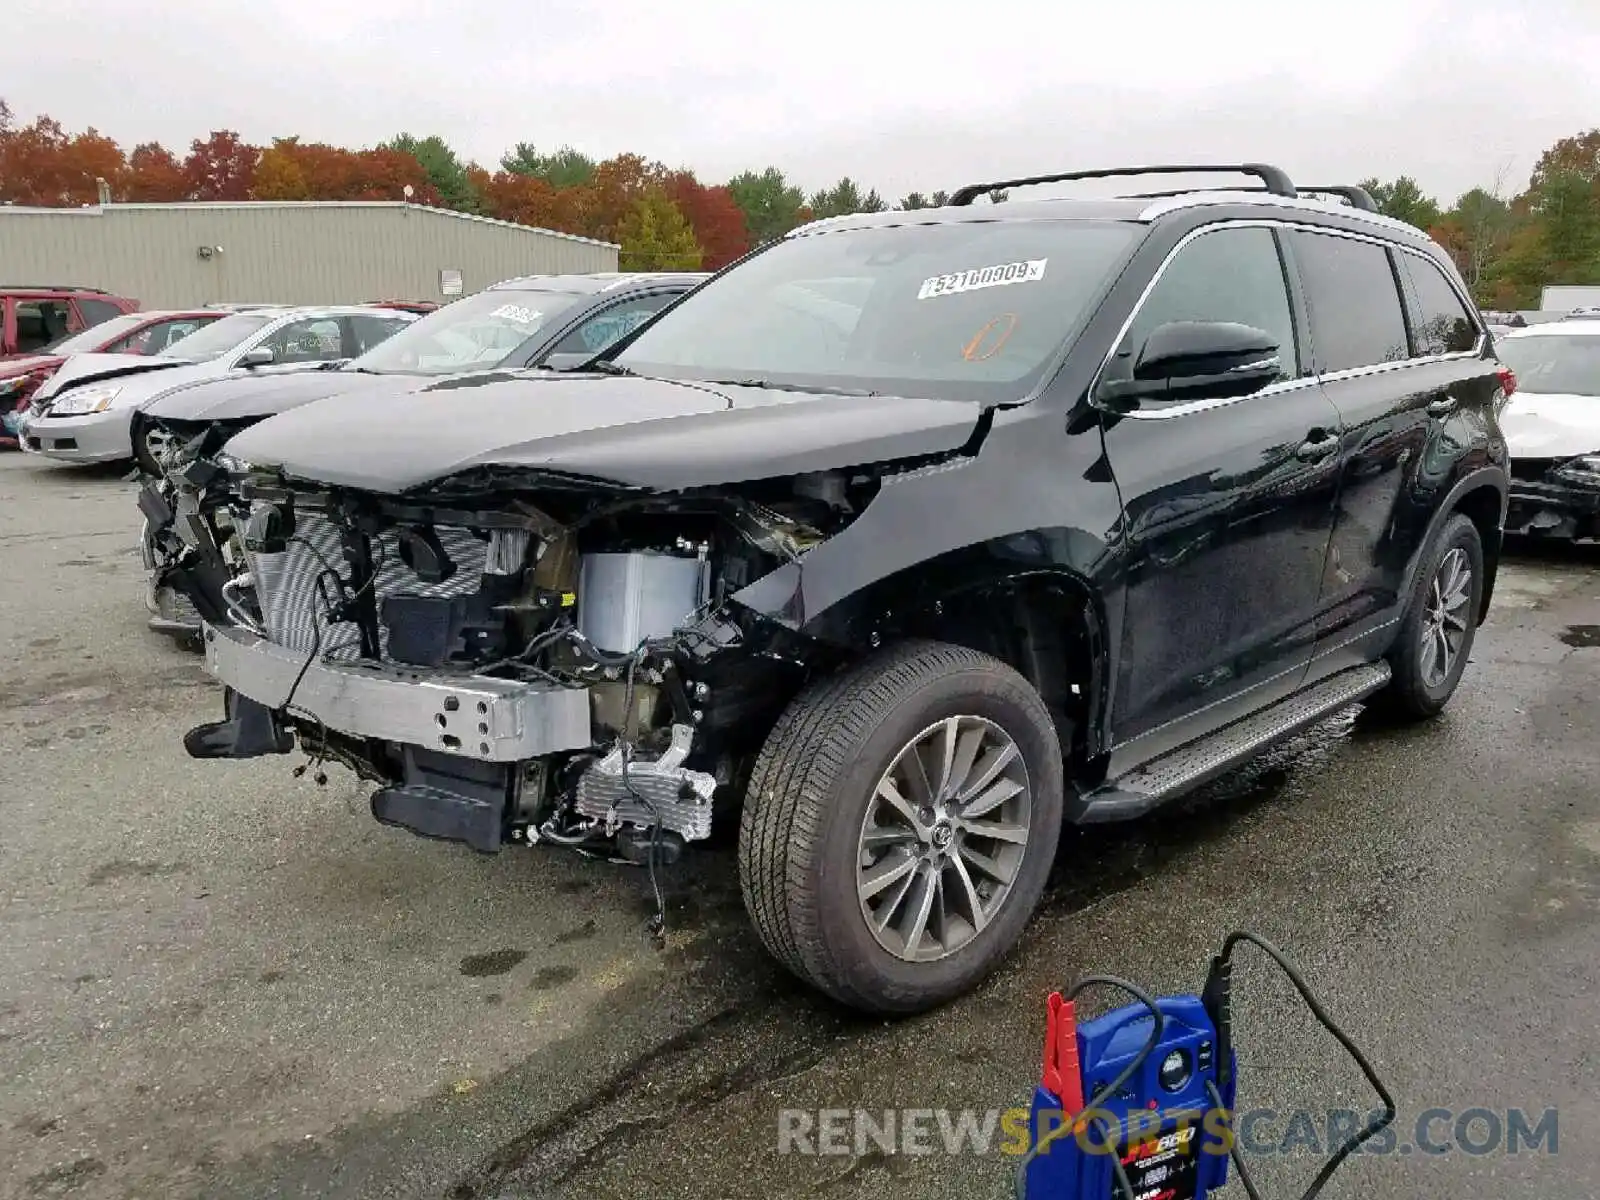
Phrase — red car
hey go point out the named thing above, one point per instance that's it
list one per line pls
(34, 315)
(127, 333)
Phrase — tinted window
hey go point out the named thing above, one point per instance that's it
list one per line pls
(95, 311)
(1563, 363)
(964, 310)
(1227, 275)
(1444, 325)
(1356, 318)
(611, 324)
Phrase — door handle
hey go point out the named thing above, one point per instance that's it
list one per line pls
(1443, 407)
(1319, 444)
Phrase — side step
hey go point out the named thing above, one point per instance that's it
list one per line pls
(1187, 767)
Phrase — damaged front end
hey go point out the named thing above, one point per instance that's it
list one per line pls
(1555, 498)
(518, 656)
(195, 567)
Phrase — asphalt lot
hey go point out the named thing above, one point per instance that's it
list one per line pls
(221, 980)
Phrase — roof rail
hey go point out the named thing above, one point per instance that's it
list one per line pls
(1359, 197)
(1356, 197)
(1274, 178)
(52, 287)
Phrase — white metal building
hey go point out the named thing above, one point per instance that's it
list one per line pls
(284, 252)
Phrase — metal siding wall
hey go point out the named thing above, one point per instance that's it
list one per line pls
(317, 254)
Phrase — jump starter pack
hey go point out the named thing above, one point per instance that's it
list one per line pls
(1138, 1104)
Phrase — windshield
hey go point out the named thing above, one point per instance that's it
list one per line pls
(966, 310)
(217, 338)
(1553, 363)
(467, 335)
(95, 335)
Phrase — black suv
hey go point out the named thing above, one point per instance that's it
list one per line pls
(909, 537)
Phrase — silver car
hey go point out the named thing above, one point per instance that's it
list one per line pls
(84, 412)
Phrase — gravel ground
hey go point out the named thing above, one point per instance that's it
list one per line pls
(221, 980)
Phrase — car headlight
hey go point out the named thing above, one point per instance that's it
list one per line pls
(1584, 469)
(81, 401)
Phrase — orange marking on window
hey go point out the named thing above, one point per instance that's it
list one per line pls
(974, 350)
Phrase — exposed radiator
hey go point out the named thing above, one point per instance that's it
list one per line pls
(286, 583)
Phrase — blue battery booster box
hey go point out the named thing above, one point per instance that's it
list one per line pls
(1162, 1125)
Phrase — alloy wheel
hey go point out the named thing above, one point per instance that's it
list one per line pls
(943, 838)
(1445, 617)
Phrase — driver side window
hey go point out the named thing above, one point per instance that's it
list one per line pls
(1227, 275)
(611, 325)
(313, 340)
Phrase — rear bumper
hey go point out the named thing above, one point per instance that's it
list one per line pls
(1553, 510)
(470, 716)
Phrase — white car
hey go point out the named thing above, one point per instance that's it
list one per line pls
(1552, 429)
(84, 412)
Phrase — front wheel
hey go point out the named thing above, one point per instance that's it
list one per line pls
(900, 825)
(1436, 634)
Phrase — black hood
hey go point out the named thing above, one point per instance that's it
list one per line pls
(653, 433)
(250, 397)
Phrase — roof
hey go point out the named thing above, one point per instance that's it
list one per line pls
(99, 210)
(594, 281)
(8, 288)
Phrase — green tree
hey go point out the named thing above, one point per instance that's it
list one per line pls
(845, 197)
(445, 170)
(656, 236)
(1403, 200)
(770, 204)
(914, 201)
(1568, 208)
(566, 167)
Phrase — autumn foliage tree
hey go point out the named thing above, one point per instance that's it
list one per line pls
(655, 236)
(154, 176)
(220, 168)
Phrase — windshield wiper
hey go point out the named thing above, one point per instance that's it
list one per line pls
(757, 382)
(606, 367)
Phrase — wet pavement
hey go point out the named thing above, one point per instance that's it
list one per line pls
(221, 980)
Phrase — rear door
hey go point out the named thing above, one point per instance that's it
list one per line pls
(1227, 504)
(1397, 352)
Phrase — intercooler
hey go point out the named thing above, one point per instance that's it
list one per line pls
(291, 603)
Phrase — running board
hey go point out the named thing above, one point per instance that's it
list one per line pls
(1187, 767)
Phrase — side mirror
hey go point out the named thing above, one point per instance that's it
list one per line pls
(259, 357)
(1199, 360)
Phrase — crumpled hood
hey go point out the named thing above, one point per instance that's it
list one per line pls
(651, 433)
(1551, 425)
(253, 395)
(84, 368)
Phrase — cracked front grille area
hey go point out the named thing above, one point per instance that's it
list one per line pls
(286, 583)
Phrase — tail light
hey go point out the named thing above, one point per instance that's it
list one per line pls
(1508, 378)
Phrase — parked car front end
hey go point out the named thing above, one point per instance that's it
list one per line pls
(1552, 429)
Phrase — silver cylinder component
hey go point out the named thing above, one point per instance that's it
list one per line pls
(624, 599)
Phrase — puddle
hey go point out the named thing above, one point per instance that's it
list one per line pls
(1581, 636)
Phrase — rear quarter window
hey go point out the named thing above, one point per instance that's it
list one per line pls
(1442, 323)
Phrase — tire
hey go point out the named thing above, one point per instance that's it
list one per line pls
(1418, 692)
(803, 835)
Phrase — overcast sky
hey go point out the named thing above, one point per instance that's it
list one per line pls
(900, 95)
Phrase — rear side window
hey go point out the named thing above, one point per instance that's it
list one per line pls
(1443, 324)
(1356, 317)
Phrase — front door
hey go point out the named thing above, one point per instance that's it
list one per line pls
(1227, 505)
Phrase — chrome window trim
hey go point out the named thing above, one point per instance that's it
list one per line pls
(1288, 385)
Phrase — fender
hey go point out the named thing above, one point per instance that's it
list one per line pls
(1492, 477)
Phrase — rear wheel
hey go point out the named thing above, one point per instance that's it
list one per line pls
(900, 824)
(1437, 632)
